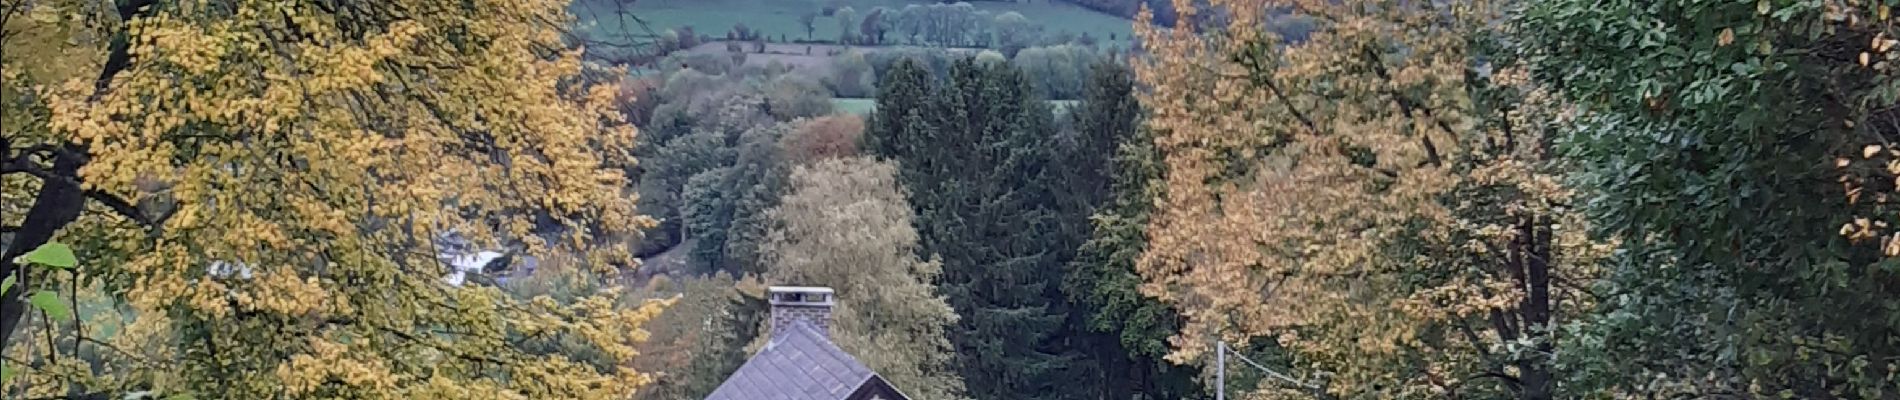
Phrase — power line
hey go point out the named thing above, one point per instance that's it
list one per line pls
(1220, 370)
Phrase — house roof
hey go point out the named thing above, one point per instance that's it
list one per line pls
(801, 364)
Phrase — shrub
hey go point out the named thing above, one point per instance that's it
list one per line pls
(1059, 72)
(831, 136)
(791, 96)
(851, 76)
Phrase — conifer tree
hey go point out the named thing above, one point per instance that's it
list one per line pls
(901, 96)
(976, 161)
(1112, 165)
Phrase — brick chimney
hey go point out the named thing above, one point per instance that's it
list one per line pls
(794, 303)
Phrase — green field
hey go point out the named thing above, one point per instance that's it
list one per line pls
(854, 106)
(780, 17)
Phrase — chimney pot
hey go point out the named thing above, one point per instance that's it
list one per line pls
(794, 303)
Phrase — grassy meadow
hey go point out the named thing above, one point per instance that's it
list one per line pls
(780, 17)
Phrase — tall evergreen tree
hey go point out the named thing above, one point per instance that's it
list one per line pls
(1111, 171)
(976, 161)
(902, 95)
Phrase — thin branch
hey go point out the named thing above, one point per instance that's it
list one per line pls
(1260, 74)
(85, 396)
(122, 207)
(52, 350)
(7, 15)
(1516, 384)
(118, 205)
(119, 57)
(1288, 103)
(130, 355)
(1406, 106)
(1476, 342)
(79, 328)
(451, 352)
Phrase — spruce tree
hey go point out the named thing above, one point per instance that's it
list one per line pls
(1111, 167)
(897, 121)
(977, 157)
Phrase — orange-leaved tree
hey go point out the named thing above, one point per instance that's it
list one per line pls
(260, 186)
(1373, 196)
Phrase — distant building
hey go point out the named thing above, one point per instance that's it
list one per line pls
(799, 362)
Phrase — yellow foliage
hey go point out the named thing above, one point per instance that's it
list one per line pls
(314, 151)
(1348, 197)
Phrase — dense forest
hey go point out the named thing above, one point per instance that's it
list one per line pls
(1039, 199)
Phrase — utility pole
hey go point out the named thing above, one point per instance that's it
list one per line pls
(1220, 370)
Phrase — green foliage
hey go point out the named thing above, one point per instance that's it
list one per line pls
(722, 203)
(49, 302)
(1061, 71)
(942, 24)
(979, 158)
(844, 224)
(51, 255)
(847, 25)
(1014, 32)
(708, 122)
(730, 242)
(897, 124)
(1113, 168)
(792, 96)
(707, 213)
(851, 76)
(1707, 140)
(700, 340)
(934, 61)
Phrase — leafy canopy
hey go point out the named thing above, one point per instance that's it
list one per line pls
(278, 173)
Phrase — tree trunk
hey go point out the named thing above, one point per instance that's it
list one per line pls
(1534, 239)
(58, 204)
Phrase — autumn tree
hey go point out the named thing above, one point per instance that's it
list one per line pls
(844, 224)
(259, 185)
(1377, 200)
(833, 136)
(700, 339)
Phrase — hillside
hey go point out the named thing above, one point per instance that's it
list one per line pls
(780, 18)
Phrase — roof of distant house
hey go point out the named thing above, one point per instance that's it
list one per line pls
(800, 364)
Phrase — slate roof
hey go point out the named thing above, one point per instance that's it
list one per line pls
(801, 364)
